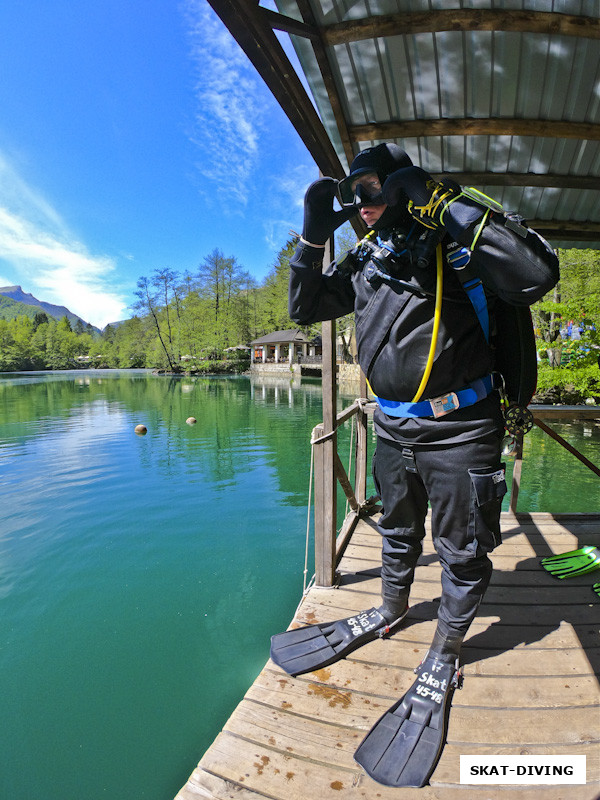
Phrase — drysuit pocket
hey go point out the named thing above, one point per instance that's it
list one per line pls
(487, 490)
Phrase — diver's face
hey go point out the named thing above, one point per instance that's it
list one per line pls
(371, 214)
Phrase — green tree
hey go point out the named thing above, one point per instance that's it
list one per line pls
(573, 306)
(221, 283)
(40, 318)
(7, 343)
(273, 302)
(154, 299)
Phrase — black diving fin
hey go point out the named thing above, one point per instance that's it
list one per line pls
(314, 646)
(404, 746)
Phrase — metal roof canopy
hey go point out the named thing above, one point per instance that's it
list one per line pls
(504, 96)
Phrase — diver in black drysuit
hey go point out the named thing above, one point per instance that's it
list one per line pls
(445, 452)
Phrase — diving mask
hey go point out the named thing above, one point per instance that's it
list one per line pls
(362, 189)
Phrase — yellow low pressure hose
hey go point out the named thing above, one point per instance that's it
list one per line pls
(436, 324)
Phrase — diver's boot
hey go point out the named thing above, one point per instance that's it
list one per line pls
(314, 646)
(394, 607)
(446, 645)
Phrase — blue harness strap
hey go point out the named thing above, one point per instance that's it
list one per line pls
(439, 406)
(476, 294)
(459, 259)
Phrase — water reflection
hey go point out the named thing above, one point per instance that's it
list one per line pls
(141, 577)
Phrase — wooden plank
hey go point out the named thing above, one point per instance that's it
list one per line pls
(485, 637)
(361, 466)
(503, 562)
(519, 552)
(509, 614)
(467, 20)
(555, 540)
(506, 588)
(315, 740)
(521, 662)
(325, 454)
(515, 484)
(529, 659)
(208, 785)
(489, 689)
(541, 525)
(470, 725)
(280, 775)
(460, 126)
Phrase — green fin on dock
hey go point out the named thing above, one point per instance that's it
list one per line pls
(573, 563)
(596, 588)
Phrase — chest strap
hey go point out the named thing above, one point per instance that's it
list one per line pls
(439, 406)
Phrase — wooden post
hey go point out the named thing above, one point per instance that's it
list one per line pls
(361, 459)
(326, 493)
(516, 476)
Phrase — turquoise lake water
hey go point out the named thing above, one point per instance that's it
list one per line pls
(141, 577)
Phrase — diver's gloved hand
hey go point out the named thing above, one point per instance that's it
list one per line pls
(320, 217)
(434, 204)
(409, 182)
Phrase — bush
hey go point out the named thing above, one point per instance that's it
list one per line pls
(221, 367)
(568, 385)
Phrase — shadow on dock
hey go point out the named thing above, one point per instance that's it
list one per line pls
(531, 663)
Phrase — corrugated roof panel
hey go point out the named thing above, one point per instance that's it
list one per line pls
(367, 62)
(397, 72)
(549, 201)
(506, 66)
(472, 75)
(451, 60)
(425, 76)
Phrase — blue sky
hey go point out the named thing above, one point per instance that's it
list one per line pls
(135, 135)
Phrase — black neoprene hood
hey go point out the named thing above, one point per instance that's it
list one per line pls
(384, 159)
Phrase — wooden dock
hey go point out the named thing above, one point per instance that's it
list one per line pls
(531, 662)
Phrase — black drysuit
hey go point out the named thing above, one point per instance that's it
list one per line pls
(451, 462)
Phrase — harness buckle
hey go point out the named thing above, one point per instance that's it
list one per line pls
(444, 404)
(408, 455)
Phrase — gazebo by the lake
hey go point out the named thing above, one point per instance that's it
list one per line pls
(284, 347)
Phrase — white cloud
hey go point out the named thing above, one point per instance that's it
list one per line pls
(288, 191)
(250, 165)
(230, 106)
(47, 260)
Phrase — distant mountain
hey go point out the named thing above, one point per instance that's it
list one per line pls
(14, 302)
(11, 309)
(115, 324)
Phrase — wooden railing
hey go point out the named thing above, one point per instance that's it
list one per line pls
(552, 412)
(329, 544)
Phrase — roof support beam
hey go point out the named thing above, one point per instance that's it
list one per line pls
(530, 179)
(280, 22)
(249, 27)
(564, 230)
(413, 129)
(324, 64)
(462, 20)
